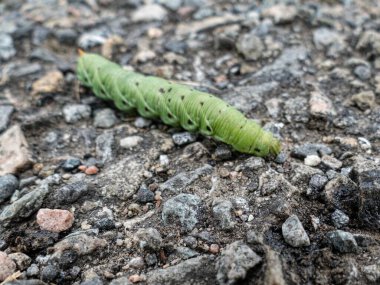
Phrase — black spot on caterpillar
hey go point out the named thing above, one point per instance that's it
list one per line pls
(193, 110)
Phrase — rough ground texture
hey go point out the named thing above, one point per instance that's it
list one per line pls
(154, 205)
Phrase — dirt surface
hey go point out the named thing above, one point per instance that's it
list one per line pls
(145, 203)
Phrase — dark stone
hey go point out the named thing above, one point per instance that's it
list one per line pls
(367, 175)
(222, 152)
(66, 36)
(105, 224)
(342, 193)
(343, 242)
(151, 259)
(317, 182)
(8, 185)
(176, 46)
(144, 195)
(49, 273)
(71, 164)
(71, 192)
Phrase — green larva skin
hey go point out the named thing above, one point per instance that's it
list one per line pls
(175, 104)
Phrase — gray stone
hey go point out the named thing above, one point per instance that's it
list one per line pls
(71, 192)
(66, 36)
(363, 72)
(149, 239)
(171, 4)
(343, 242)
(367, 175)
(185, 253)
(25, 69)
(76, 112)
(222, 152)
(142, 122)
(7, 49)
(8, 185)
(324, 37)
(199, 270)
(183, 210)
(247, 98)
(144, 195)
(49, 273)
(317, 182)
(106, 147)
(25, 206)
(342, 193)
(339, 219)
(331, 162)
(190, 241)
(148, 13)
(80, 243)
(234, 263)
(5, 115)
(285, 68)
(151, 259)
(184, 138)
(251, 164)
(250, 46)
(33, 270)
(180, 181)
(222, 213)
(136, 263)
(105, 118)
(294, 233)
(121, 281)
(91, 39)
(71, 164)
(372, 272)
(21, 259)
(296, 110)
(310, 149)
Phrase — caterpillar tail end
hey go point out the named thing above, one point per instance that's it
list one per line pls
(81, 52)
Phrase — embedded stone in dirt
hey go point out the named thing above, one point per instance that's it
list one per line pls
(50, 83)
(7, 266)
(14, 151)
(54, 220)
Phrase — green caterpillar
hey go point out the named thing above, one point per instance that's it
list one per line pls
(175, 104)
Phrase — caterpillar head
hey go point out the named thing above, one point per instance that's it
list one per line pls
(265, 145)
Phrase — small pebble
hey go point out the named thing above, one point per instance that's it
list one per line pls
(82, 168)
(91, 170)
(135, 278)
(294, 233)
(130, 142)
(7, 266)
(331, 162)
(214, 248)
(70, 164)
(184, 138)
(312, 160)
(339, 219)
(54, 220)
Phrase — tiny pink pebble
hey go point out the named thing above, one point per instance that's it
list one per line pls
(91, 170)
(82, 168)
(214, 248)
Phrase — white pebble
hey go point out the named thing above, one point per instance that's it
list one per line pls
(312, 160)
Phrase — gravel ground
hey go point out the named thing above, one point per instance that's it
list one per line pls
(90, 195)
